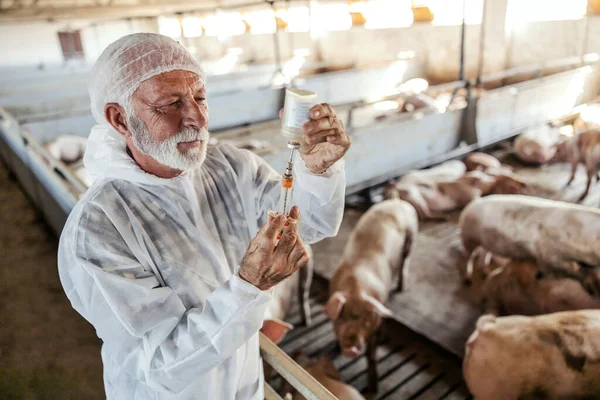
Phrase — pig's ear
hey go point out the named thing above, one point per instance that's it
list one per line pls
(334, 306)
(378, 308)
(275, 329)
(485, 322)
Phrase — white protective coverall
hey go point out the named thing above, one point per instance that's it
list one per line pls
(152, 264)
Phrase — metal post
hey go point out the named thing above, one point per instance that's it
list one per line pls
(276, 40)
(481, 45)
(461, 75)
(461, 72)
(586, 33)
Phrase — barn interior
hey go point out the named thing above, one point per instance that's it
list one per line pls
(418, 85)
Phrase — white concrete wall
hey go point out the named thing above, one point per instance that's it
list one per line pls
(96, 37)
(29, 44)
(437, 46)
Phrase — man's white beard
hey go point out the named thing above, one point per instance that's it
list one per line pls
(166, 152)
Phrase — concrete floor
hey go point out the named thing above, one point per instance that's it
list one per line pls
(47, 350)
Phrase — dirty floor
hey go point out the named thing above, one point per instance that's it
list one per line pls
(47, 351)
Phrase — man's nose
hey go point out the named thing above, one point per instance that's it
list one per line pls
(195, 116)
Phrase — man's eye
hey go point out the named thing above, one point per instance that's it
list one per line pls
(200, 99)
(175, 103)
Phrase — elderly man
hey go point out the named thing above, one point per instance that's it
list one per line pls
(165, 254)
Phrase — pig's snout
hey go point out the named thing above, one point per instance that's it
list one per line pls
(352, 346)
(352, 352)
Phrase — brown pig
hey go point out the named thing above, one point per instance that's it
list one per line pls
(558, 235)
(581, 149)
(325, 372)
(372, 263)
(440, 197)
(552, 357)
(520, 287)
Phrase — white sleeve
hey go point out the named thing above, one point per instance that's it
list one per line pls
(321, 200)
(166, 345)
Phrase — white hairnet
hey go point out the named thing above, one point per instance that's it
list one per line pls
(131, 60)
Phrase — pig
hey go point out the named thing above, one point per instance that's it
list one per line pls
(536, 146)
(521, 287)
(371, 264)
(325, 372)
(558, 235)
(553, 356)
(67, 148)
(477, 161)
(447, 171)
(416, 102)
(588, 118)
(83, 175)
(581, 149)
(485, 262)
(430, 201)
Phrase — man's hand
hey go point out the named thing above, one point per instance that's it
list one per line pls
(325, 141)
(265, 263)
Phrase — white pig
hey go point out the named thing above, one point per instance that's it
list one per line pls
(447, 171)
(536, 146)
(67, 148)
(556, 234)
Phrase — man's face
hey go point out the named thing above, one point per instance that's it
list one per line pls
(168, 117)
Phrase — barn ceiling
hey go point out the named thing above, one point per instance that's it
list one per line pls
(27, 10)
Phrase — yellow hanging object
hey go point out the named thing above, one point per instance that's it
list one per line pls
(593, 7)
(422, 14)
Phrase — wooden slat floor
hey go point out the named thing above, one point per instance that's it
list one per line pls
(409, 365)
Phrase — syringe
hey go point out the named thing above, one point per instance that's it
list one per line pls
(287, 180)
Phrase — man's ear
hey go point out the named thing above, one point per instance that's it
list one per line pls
(115, 116)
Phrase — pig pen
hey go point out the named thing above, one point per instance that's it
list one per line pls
(409, 365)
(435, 302)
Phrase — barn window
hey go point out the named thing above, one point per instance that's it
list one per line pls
(70, 43)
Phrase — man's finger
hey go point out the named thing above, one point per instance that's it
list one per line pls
(287, 241)
(340, 140)
(281, 113)
(274, 227)
(295, 213)
(322, 110)
(323, 124)
(299, 257)
(271, 215)
(320, 137)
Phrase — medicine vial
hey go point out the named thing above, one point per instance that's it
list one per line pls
(296, 112)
